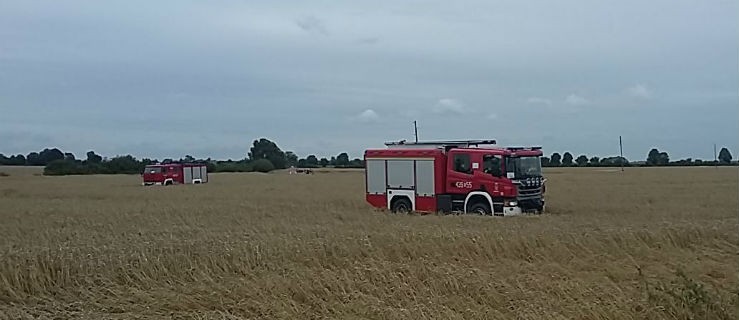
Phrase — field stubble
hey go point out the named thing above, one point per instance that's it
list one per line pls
(648, 243)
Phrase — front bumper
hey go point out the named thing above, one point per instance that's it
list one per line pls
(531, 204)
(523, 207)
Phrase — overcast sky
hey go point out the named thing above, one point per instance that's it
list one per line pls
(168, 78)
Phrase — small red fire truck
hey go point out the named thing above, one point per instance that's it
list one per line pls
(455, 177)
(175, 173)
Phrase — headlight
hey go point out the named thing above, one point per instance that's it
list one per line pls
(511, 203)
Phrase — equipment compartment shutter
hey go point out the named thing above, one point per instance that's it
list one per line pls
(204, 173)
(195, 172)
(425, 177)
(187, 171)
(400, 174)
(376, 176)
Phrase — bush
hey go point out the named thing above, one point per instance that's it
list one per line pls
(62, 167)
(262, 165)
(233, 167)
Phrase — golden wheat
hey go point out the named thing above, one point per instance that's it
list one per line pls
(647, 243)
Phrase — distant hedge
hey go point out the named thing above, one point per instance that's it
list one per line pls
(117, 165)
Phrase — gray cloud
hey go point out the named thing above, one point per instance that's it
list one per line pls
(449, 106)
(312, 24)
(576, 100)
(537, 100)
(367, 116)
(369, 40)
(639, 91)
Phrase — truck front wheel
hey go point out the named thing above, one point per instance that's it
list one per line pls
(401, 205)
(480, 208)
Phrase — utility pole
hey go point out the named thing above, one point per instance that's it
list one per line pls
(715, 157)
(621, 146)
(415, 130)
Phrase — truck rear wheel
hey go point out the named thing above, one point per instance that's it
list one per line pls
(401, 205)
(480, 208)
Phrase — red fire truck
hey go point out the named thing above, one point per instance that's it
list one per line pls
(175, 173)
(469, 176)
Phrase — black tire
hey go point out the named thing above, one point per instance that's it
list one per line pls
(480, 208)
(167, 183)
(542, 209)
(401, 206)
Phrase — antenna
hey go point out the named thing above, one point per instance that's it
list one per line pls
(415, 129)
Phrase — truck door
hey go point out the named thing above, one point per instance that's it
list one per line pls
(493, 169)
(459, 173)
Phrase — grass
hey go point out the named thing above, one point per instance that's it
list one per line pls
(648, 244)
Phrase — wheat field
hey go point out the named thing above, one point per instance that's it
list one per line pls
(658, 243)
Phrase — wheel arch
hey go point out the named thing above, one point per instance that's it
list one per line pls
(476, 197)
(406, 203)
(395, 195)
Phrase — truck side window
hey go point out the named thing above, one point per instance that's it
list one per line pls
(491, 165)
(462, 163)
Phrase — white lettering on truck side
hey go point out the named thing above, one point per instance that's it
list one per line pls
(463, 184)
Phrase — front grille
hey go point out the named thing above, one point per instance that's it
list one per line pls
(529, 192)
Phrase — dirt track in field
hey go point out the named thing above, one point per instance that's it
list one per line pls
(657, 243)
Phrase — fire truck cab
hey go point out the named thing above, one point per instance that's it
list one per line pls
(175, 173)
(455, 177)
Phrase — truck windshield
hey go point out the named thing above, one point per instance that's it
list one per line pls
(523, 167)
(153, 170)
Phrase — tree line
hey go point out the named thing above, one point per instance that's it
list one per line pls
(654, 158)
(265, 156)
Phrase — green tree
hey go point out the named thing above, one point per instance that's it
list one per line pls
(324, 162)
(724, 156)
(342, 159)
(93, 158)
(48, 155)
(262, 165)
(33, 159)
(17, 160)
(653, 158)
(614, 161)
(291, 158)
(311, 160)
(567, 160)
(664, 159)
(123, 164)
(356, 163)
(582, 160)
(594, 161)
(545, 162)
(556, 160)
(265, 149)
